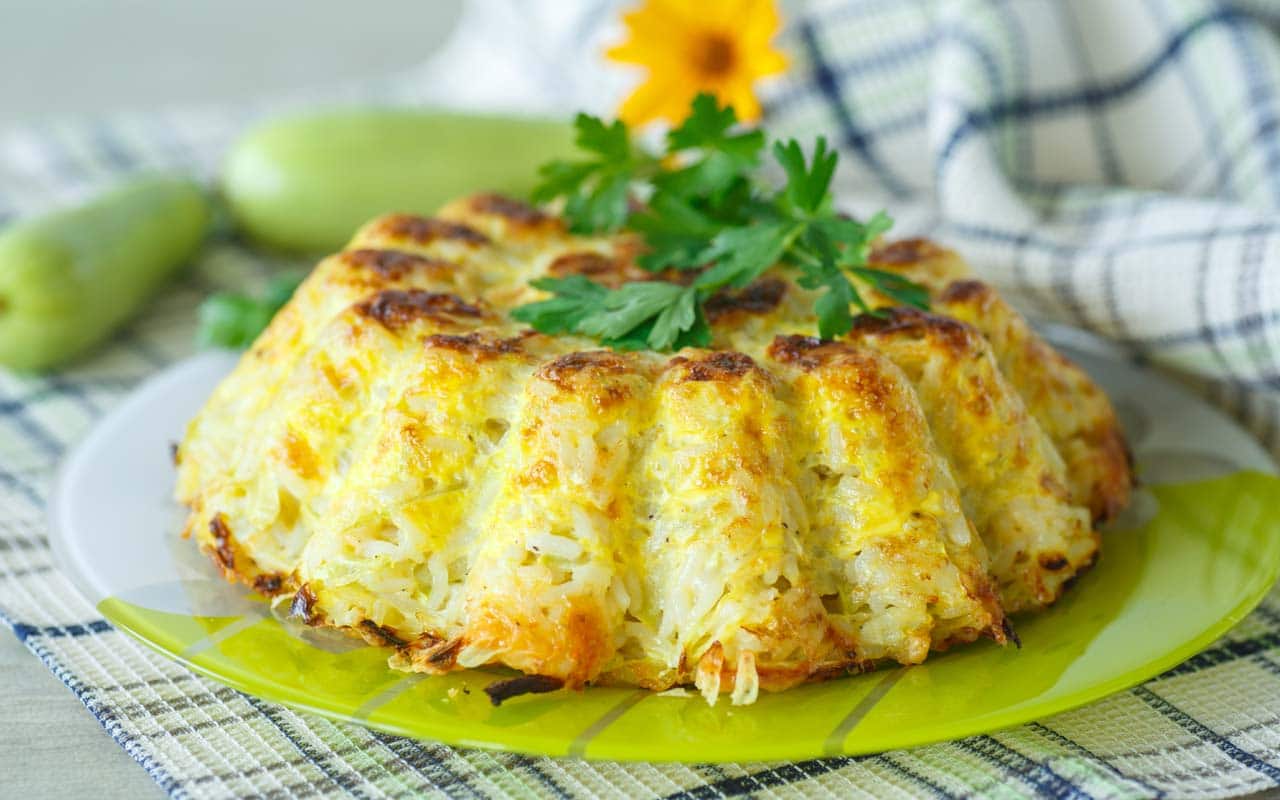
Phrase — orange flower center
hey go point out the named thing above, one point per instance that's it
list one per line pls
(713, 54)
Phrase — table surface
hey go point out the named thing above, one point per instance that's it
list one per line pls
(50, 746)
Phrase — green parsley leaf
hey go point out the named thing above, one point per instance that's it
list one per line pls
(602, 208)
(726, 158)
(743, 254)
(832, 306)
(625, 308)
(562, 178)
(807, 185)
(227, 319)
(576, 298)
(674, 320)
(895, 286)
(706, 125)
(596, 191)
(660, 311)
(675, 231)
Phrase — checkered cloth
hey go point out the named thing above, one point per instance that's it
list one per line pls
(1004, 128)
(1111, 165)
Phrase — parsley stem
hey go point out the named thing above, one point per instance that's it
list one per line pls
(792, 235)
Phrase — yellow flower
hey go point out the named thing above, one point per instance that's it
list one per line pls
(692, 46)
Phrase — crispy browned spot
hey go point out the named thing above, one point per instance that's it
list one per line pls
(1110, 493)
(903, 251)
(396, 308)
(515, 210)
(613, 271)
(964, 292)
(806, 352)
(1081, 571)
(480, 346)
(1053, 561)
(828, 672)
(395, 264)
(223, 549)
(602, 269)
(918, 324)
(760, 297)
(500, 691)
(175, 454)
(444, 655)
(1009, 633)
(381, 634)
(564, 370)
(303, 607)
(718, 366)
(425, 230)
(268, 583)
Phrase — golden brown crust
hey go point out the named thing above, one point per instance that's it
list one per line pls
(396, 308)
(921, 260)
(480, 346)
(1071, 408)
(806, 352)
(610, 271)
(1011, 476)
(956, 336)
(966, 291)
(235, 564)
(761, 297)
(271, 584)
(719, 365)
(304, 606)
(568, 370)
(903, 251)
(224, 551)
(516, 212)
(425, 230)
(394, 265)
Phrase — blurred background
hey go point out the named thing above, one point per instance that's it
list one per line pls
(80, 57)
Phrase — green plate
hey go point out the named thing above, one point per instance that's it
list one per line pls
(1196, 552)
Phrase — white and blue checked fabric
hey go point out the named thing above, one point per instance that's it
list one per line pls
(1113, 164)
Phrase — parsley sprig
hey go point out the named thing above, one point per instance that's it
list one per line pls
(234, 320)
(702, 209)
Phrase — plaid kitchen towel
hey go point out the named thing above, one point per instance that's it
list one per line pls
(1115, 165)
(1112, 165)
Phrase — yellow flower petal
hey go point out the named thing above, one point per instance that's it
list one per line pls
(759, 21)
(657, 98)
(768, 63)
(722, 13)
(721, 46)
